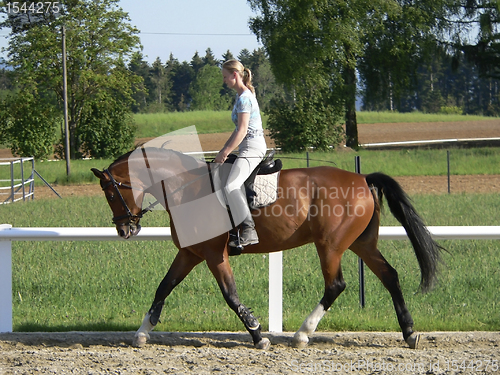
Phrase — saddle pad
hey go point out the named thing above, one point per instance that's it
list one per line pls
(266, 190)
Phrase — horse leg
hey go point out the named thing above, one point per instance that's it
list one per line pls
(183, 263)
(389, 278)
(334, 286)
(221, 269)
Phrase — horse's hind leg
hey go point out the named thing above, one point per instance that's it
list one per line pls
(220, 268)
(389, 277)
(183, 263)
(334, 285)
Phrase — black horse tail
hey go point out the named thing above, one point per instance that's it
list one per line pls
(426, 249)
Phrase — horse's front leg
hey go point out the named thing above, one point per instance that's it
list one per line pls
(183, 263)
(220, 268)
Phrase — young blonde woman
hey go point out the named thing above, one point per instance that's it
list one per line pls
(248, 136)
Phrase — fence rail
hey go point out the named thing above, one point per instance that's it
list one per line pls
(9, 234)
(18, 188)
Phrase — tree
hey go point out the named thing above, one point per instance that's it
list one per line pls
(181, 76)
(161, 85)
(197, 62)
(29, 126)
(479, 18)
(309, 121)
(99, 38)
(312, 48)
(227, 56)
(324, 41)
(140, 67)
(205, 90)
(209, 58)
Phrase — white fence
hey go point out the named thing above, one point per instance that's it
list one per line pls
(9, 234)
(18, 188)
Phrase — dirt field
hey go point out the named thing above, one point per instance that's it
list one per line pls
(233, 353)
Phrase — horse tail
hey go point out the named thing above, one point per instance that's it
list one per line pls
(426, 249)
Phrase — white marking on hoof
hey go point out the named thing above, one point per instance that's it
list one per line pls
(300, 340)
(413, 340)
(140, 340)
(263, 344)
(142, 335)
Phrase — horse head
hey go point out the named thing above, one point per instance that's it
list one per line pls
(123, 198)
(165, 174)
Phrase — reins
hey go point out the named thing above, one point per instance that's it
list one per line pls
(129, 214)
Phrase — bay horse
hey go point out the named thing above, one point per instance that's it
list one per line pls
(332, 208)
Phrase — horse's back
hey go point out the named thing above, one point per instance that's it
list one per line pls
(312, 202)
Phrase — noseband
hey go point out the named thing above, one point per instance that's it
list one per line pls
(132, 218)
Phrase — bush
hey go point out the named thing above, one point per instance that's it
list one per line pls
(451, 110)
(309, 122)
(29, 126)
(106, 129)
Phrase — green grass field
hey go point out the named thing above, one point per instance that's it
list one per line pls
(64, 286)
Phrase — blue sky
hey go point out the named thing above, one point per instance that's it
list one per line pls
(184, 27)
(200, 18)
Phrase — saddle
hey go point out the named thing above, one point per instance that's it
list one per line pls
(262, 185)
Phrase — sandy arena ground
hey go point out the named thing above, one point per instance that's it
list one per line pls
(233, 353)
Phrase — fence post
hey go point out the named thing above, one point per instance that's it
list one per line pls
(5, 282)
(276, 292)
(448, 165)
(12, 182)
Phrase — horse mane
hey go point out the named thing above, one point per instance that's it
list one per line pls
(122, 157)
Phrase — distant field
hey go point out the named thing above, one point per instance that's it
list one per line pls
(155, 124)
(394, 117)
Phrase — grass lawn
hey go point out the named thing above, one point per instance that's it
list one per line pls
(90, 285)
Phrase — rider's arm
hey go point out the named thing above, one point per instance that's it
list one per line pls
(236, 137)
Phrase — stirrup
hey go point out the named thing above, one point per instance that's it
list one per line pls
(234, 239)
(242, 240)
(237, 242)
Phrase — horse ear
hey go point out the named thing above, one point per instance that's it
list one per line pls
(98, 173)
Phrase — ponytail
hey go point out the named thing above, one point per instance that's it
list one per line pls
(247, 80)
(245, 73)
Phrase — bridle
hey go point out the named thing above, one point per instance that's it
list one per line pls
(132, 218)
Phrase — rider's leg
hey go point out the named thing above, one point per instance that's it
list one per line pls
(248, 159)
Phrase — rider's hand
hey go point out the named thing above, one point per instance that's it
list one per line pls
(221, 157)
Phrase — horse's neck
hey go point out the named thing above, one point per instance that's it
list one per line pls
(166, 174)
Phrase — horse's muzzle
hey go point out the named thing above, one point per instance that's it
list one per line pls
(126, 230)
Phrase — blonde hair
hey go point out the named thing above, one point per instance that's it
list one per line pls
(245, 73)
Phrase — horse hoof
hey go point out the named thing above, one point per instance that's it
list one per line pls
(263, 344)
(413, 340)
(140, 340)
(300, 340)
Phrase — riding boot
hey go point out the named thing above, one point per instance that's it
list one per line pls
(241, 213)
(248, 234)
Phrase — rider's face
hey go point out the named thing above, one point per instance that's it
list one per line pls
(229, 78)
